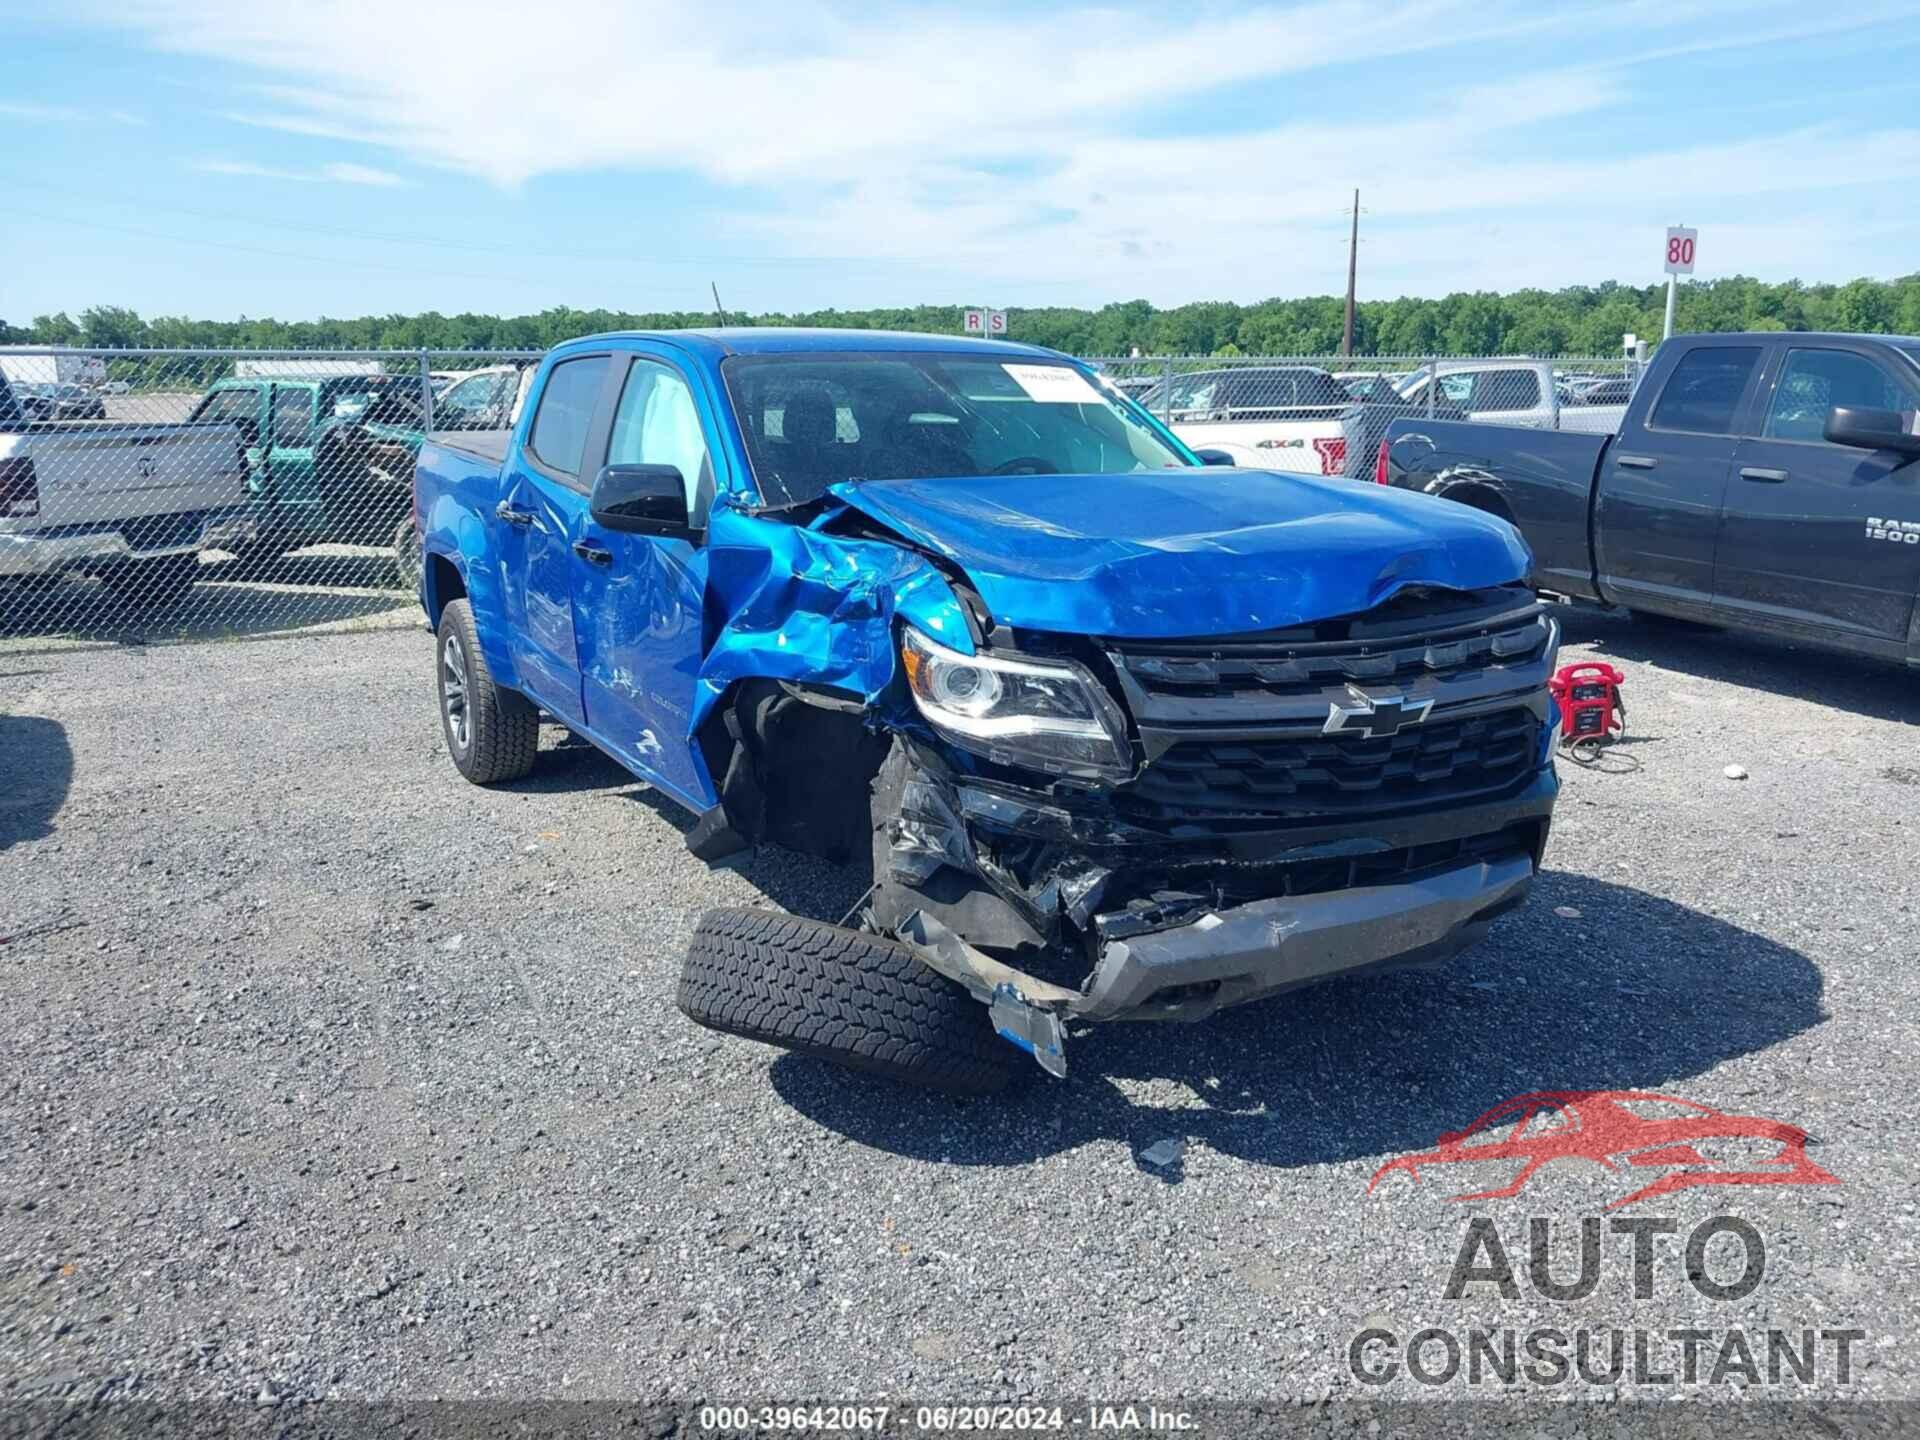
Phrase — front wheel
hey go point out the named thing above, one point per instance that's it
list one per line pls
(493, 733)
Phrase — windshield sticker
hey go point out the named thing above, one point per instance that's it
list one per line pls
(1054, 384)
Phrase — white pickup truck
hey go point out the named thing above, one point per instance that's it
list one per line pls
(1508, 392)
(133, 504)
(1267, 417)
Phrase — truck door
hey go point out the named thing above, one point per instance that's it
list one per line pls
(1805, 539)
(540, 514)
(1663, 481)
(242, 407)
(290, 464)
(637, 598)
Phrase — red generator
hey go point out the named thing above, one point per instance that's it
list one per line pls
(1591, 710)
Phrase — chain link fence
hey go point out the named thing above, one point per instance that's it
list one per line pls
(1326, 415)
(163, 494)
(202, 493)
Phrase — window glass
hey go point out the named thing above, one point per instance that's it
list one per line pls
(1282, 389)
(1456, 389)
(658, 424)
(1814, 381)
(566, 411)
(1496, 390)
(475, 402)
(1704, 390)
(240, 403)
(936, 415)
(292, 416)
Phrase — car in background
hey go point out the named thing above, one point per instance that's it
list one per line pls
(1267, 417)
(132, 504)
(1506, 392)
(1766, 481)
(1375, 386)
(1615, 391)
(1132, 386)
(485, 399)
(59, 402)
(329, 457)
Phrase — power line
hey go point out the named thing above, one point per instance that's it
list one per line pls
(514, 251)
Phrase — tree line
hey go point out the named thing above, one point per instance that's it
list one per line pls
(1577, 320)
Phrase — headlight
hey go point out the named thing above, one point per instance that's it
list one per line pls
(1017, 712)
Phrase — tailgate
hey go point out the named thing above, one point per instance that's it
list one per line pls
(1274, 444)
(94, 473)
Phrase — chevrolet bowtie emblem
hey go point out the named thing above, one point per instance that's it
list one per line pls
(1375, 716)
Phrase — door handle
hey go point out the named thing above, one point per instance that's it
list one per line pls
(1636, 462)
(513, 515)
(1765, 477)
(591, 553)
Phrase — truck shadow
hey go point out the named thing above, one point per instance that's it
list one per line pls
(36, 771)
(1879, 690)
(1636, 993)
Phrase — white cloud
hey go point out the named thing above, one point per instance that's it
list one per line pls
(339, 172)
(41, 113)
(1071, 149)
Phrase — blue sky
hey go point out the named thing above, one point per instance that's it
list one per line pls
(297, 158)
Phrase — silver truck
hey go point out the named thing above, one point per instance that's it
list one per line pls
(133, 504)
(1508, 392)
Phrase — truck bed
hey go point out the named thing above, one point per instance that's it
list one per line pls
(480, 444)
(1542, 480)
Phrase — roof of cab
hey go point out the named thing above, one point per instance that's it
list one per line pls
(779, 340)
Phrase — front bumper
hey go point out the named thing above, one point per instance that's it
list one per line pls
(1251, 951)
(90, 547)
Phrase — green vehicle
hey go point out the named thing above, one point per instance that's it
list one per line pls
(329, 459)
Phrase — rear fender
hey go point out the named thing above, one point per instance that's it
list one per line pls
(456, 532)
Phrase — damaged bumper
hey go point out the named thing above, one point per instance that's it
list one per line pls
(1129, 924)
(1254, 950)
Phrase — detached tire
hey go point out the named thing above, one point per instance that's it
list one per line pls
(853, 1000)
(493, 733)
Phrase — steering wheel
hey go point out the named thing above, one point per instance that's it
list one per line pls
(1025, 464)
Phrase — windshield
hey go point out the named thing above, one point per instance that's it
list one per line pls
(814, 420)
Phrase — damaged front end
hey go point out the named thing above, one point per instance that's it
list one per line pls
(1362, 792)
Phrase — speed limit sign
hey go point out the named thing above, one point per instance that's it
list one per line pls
(1680, 247)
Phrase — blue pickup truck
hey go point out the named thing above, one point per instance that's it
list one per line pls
(1112, 732)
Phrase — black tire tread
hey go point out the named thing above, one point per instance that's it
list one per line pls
(855, 1000)
(505, 724)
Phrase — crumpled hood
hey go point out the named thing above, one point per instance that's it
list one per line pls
(1158, 554)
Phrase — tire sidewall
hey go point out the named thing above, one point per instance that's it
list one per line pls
(456, 629)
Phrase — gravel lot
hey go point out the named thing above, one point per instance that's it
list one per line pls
(326, 1074)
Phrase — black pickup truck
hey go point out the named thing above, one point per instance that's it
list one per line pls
(1766, 481)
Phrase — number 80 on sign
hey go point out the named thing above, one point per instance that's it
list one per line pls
(1680, 248)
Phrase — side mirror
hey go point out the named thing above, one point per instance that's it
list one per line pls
(1871, 430)
(1214, 457)
(641, 500)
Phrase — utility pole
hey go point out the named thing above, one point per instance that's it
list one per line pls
(1353, 254)
(719, 309)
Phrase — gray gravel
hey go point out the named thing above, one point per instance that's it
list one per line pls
(324, 1073)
